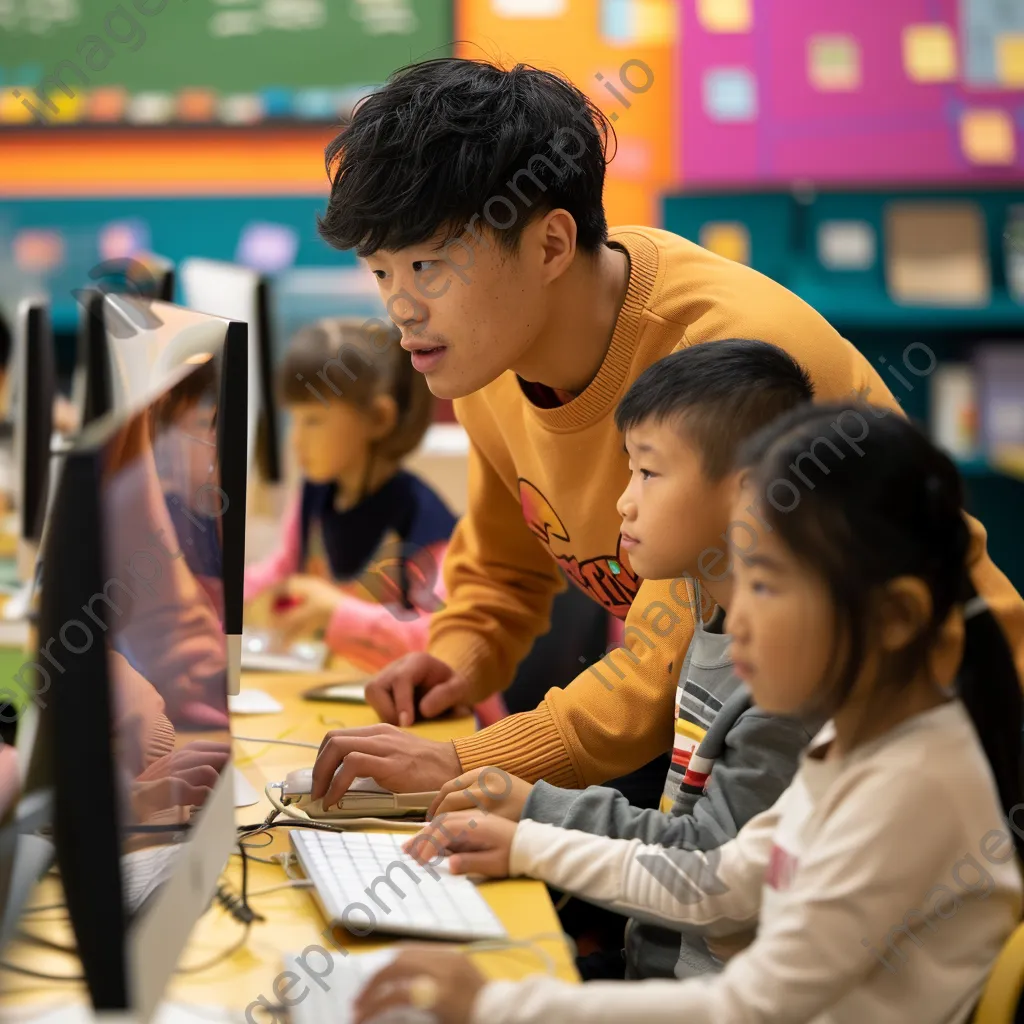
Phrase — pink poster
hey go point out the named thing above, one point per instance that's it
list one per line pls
(850, 91)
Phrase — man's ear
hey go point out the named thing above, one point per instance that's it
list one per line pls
(905, 609)
(383, 415)
(555, 234)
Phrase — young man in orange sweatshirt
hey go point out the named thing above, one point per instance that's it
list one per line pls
(474, 194)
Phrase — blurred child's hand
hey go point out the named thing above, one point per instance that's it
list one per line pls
(479, 843)
(491, 789)
(440, 983)
(304, 607)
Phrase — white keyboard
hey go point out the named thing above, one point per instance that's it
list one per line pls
(259, 654)
(363, 881)
(341, 979)
(144, 871)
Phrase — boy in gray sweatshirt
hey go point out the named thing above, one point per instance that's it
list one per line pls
(683, 420)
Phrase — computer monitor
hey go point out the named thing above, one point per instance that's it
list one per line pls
(151, 276)
(162, 338)
(145, 276)
(36, 387)
(90, 382)
(26, 807)
(144, 805)
(226, 289)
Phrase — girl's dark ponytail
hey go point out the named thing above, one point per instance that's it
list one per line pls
(990, 689)
(891, 505)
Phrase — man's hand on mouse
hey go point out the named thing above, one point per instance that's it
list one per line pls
(395, 760)
(393, 691)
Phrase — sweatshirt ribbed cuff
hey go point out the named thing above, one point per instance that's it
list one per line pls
(527, 745)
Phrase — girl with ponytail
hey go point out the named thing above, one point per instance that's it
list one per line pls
(886, 879)
(363, 543)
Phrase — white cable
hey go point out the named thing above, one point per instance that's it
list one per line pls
(283, 743)
(532, 944)
(298, 883)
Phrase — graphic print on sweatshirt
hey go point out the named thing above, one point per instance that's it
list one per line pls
(607, 579)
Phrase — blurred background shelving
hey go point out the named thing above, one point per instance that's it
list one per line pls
(868, 156)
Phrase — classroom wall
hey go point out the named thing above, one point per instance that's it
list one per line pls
(583, 39)
(782, 91)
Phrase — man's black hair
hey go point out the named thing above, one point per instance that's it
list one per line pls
(456, 146)
(720, 393)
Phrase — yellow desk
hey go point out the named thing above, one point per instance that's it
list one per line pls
(293, 921)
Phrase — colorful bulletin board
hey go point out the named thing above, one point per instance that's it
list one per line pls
(596, 43)
(850, 92)
(192, 97)
(197, 61)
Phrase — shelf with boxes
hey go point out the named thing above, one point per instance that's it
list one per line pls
(875, 259)
(944, 267)
(929, 284)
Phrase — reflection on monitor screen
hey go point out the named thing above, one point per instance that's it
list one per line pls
(138, 605)
(167, 661)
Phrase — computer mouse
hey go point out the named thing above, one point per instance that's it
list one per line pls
(300, 783)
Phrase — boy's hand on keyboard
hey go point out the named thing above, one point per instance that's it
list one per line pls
(477, 844)
(393, 691)
(491, 789)
(395, 760)
(442, 982)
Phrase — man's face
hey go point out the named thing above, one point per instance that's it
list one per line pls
(671, 512)
(468, 311)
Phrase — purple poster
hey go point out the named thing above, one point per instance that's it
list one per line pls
(851, 91)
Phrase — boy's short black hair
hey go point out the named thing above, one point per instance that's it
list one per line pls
(720, 393)
(448, 140)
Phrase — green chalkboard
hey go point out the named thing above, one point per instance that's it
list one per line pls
(226, 45)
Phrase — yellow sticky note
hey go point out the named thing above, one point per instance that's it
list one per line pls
(987, 137)
(730, 239)
(655, 22)
(725, 15)
(929, 53)
(833, 63)
(59, 108)
(1010, 59)
(12, 109)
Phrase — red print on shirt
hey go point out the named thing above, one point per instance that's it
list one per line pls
(607, 579)
(781, 869)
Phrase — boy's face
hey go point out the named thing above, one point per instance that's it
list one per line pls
(671, 512)
(468, 311)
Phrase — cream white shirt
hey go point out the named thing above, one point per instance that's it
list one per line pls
(883, 885)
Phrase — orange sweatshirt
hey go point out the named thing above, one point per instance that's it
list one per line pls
(542, 490)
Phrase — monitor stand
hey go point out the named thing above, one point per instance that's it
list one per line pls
(33, 857)
(234, 663)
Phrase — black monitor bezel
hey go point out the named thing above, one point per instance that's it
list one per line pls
(269, 453)
(37, 387)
